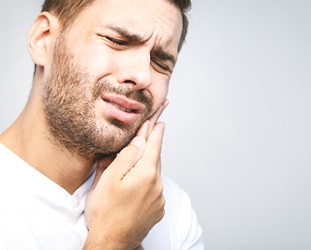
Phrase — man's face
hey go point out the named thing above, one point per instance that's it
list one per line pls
(109, 73)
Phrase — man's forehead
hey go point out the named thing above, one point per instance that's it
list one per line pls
(140, 18)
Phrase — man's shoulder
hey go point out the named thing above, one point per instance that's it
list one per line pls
(172, 190)
(179, 228)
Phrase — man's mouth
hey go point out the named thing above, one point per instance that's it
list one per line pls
(122, 108)
(123, 103)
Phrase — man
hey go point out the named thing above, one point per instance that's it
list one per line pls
(80, 167)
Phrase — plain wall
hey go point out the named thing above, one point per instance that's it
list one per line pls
(238, 135)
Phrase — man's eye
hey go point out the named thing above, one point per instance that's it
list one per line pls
(116, 41)
(162, 66)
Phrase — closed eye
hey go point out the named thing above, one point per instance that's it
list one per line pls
(116, 41)
(161, 66)
(163, 60)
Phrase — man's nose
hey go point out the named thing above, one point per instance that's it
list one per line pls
(135, 69)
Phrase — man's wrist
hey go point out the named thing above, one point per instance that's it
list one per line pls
(96, 242)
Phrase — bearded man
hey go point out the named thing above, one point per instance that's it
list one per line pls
(81, 164)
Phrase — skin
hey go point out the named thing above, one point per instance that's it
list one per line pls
(129, 55)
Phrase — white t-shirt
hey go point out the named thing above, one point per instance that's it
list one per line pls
(36, 213)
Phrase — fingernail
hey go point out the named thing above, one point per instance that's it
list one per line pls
(162, 124)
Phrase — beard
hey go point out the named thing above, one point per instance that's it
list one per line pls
(69, 99)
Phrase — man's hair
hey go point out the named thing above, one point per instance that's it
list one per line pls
(68, 10)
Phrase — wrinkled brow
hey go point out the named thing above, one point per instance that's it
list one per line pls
(126, 34)
(159, 51)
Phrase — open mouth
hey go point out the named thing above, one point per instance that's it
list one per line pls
(124, 104)
(127, 110)
(123, 109)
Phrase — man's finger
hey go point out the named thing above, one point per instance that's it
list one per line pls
(159, 166)
(154, 118)
(127, 158)
(152, 152)
(144, 130)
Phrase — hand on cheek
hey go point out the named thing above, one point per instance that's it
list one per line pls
(126, 200)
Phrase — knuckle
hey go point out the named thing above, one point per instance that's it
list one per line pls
(158, 191)
(163, 202)
(132, 148)
(151, 175)
(160, 186)
(162, 212)
(138, 142)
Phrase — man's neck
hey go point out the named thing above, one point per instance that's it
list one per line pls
(28, 138)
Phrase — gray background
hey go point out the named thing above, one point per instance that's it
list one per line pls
(238, 135)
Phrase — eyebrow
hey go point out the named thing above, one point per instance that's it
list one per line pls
(159, 52)
(126, 34)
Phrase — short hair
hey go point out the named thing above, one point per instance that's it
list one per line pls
(68, 10)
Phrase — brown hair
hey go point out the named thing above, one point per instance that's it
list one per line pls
(68, 10)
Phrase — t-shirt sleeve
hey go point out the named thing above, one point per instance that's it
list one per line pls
(183, 219)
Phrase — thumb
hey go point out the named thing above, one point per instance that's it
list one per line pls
(127, 158)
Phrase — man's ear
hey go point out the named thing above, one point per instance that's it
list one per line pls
(41, 38)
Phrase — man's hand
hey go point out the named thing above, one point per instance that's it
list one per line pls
(126, 200)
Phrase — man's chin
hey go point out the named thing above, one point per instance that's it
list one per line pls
(106, 140)
(104, 153)
(113, 146)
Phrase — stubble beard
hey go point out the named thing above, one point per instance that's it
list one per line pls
(69, 104)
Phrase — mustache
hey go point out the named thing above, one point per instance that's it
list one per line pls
(104, 85)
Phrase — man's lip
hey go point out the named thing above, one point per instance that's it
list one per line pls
(125, 103)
